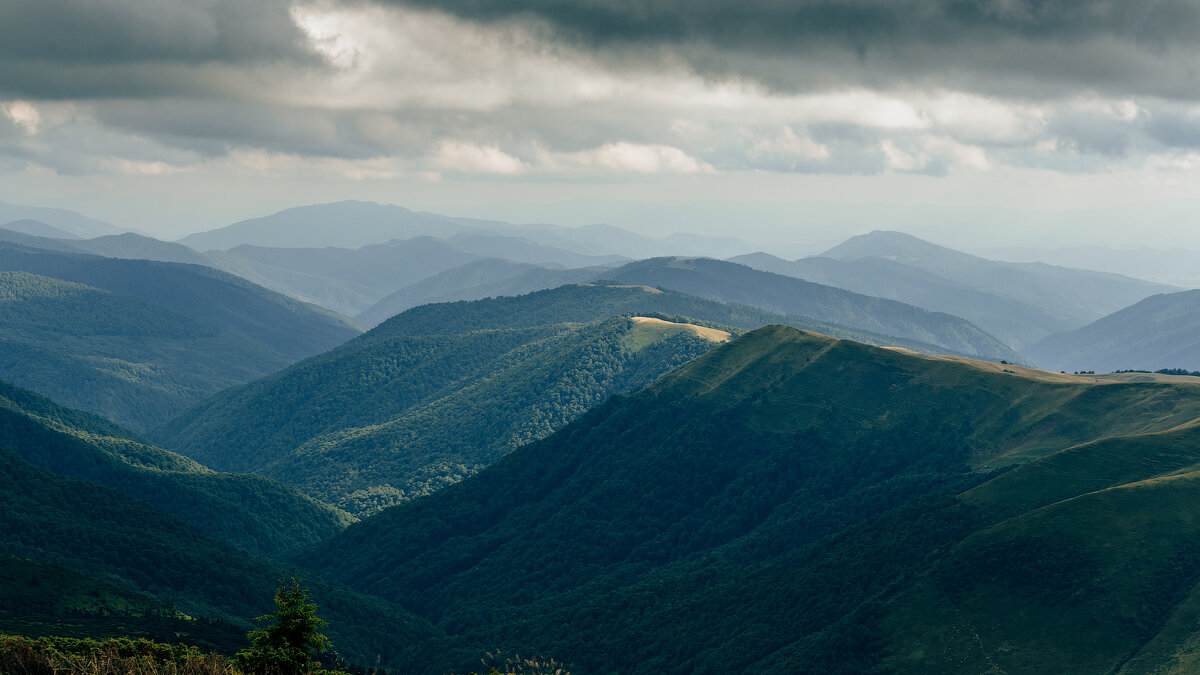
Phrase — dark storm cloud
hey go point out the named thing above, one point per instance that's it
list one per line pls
(990, 45)
(73, 48)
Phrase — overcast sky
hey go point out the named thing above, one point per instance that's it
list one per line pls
(984, 122)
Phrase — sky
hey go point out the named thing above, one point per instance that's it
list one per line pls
(799, 122)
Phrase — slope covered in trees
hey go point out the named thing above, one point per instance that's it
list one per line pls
(437, 392)
(250, 512)
(138, 341)
(782, 503)
(104, 534)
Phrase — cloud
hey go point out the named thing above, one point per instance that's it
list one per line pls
(467, 157)
(524, 90)
(623, 157)
(1035, 47)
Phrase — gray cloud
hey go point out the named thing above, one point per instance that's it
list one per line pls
(1016, 47)
(89, 48)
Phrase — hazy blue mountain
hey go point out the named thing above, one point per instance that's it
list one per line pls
(788, 503)
(731, 282)
(347, 224)
(1175, 267)
(138, 341)
(350, 224)
(1078, 296)
(1015, 322)
(346, 280)
(61, 220)
(520, 249)
(132, 246)
(1162, 331)
(37, 229)
(612, 240)
(250, 512)
(487, 278)
(36, 241)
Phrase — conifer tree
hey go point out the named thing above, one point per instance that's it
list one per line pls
(286, 647)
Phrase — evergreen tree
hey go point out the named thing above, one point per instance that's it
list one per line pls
(286, 647)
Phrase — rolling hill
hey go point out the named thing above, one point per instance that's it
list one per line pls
(1162, 331)
(393, 417)
(138, 341)
(793, 503)
(110, 537)
(249, 512)
(439, 391)
(730, 282)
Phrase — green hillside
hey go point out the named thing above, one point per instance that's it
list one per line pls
(37, 599)
(731, 282)
(108, 536)
(250, 512)
(783, 503)
(383, 421)
(139, 341)
(438, 392)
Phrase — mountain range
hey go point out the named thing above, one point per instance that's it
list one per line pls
(438, 392)
(1019, 303)
(793, 503)
(138, 341)
(1160, 332)
(672, 464)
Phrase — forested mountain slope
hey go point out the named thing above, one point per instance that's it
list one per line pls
(250, 512)
(439, 391)
(731, 282)
(1162, 331)
(782, 503)
(107, 535)
(387, 420)
(138, 341)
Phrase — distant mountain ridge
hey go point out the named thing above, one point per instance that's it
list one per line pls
(731, 282)
(138, 341)
(60, 220)
(1162, 331)
(354, 223)
(1074, 295)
